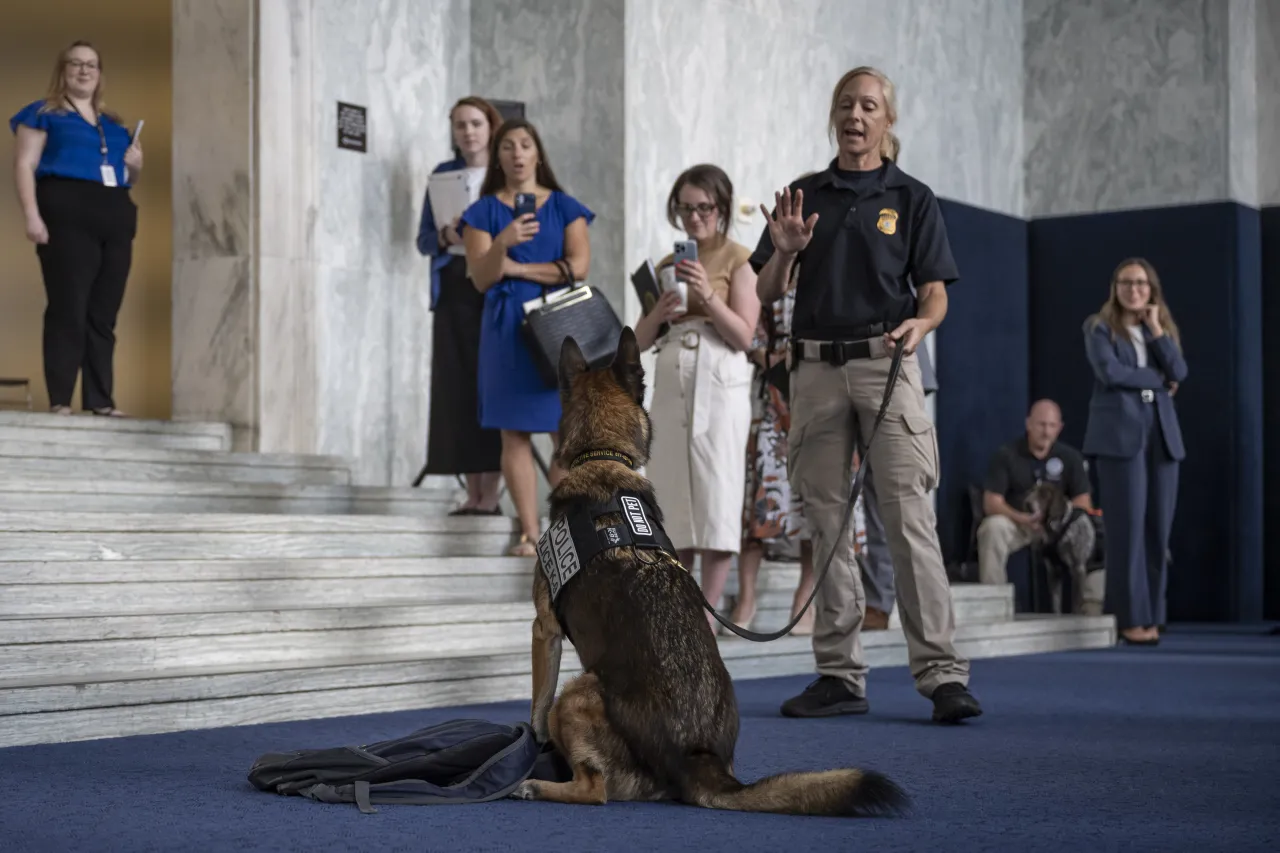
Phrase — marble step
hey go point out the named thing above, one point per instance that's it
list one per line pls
(43, 459)
(116, 432)
(18, 494)
(972, 602)
(108, 703)
(74, 536)
(212, 632)
(56, 646)
(120, 588)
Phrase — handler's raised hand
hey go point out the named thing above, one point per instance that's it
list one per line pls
(790, 231)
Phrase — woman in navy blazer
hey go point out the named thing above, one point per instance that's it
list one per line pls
(455, 442)
(1133, 432)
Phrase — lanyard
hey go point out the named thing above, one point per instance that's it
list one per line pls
(102, 136)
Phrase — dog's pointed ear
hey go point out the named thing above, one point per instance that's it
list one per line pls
(572, 363)
(626, 365)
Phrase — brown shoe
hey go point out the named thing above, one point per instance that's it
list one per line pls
(875, 620)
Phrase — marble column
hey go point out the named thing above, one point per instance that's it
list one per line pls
(1267, 56)
(301, 302)
(214, 353)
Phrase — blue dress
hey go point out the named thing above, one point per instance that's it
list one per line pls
(513, 395)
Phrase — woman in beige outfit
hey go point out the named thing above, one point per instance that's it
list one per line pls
(701, 409)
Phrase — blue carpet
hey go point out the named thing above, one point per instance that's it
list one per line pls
(1165, 749)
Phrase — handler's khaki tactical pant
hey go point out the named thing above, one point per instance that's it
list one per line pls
(831, 408)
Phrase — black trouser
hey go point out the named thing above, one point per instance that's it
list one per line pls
(85, 265)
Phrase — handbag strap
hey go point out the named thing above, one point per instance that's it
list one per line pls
(566, 277)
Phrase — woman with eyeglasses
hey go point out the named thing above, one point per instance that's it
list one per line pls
(74, 163)
(701, 408)
(1136, 355)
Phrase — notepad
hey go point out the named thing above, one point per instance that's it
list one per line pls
(451, 193)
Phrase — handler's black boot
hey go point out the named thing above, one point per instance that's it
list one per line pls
(828, 696)
(952, 702)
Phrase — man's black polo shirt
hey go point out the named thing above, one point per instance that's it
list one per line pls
(882, 233)
(1013, 472)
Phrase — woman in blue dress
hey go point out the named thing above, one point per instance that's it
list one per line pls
(73, 166)
(455, 442)
(512, 261)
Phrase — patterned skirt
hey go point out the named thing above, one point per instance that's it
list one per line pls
(773, 514)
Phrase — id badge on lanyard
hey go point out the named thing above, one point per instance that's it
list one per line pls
(108, 171)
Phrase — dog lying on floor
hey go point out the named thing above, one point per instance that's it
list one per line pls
(1066, 540)
(653, 716)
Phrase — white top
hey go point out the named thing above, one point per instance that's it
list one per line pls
(1139, 343)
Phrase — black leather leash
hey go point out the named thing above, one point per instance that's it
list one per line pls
(898, 352)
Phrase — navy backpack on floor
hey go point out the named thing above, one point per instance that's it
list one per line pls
(461, 761)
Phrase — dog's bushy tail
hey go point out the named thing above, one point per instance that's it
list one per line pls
(846, 792)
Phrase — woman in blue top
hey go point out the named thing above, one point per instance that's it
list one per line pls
(1133, 347)
(512, 261)
(455, 442)
(73, 165)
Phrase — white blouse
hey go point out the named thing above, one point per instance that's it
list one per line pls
(1139, 343)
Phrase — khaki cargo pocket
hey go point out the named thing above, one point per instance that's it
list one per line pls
(924, 444)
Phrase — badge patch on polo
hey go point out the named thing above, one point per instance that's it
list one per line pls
(887, 221)
(1053, 468)
(558, 556)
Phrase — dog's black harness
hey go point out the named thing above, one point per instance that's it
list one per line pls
(1050, 547)
(573, 541)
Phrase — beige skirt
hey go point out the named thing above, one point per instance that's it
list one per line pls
(701, 415)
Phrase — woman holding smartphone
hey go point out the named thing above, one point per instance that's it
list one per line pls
(1134, 350)
(512, 257)
(456, 444)
(701, 409)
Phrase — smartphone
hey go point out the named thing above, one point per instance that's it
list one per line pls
(686, 250)
(526, 203)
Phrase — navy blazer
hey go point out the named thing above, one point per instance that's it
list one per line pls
(1115, 425)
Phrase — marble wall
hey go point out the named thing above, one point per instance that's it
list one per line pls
(1268, 89)
(1242, 101)
(565, 60)
(747, 84)
(407, 62)
(1126, 102)
(214, 352)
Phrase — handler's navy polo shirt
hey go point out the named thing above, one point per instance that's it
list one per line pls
(881, 233)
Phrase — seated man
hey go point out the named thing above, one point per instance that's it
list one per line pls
(1016, 467)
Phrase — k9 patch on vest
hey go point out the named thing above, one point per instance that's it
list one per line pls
(558, 556)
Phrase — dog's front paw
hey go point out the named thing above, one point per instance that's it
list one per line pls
(527, 790)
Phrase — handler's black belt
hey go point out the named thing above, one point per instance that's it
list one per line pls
(866, 344)
(573, 541)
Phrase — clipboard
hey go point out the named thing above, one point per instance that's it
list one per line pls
(451, 193)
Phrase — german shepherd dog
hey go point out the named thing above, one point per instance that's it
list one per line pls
(1072, 538)
(653, 716)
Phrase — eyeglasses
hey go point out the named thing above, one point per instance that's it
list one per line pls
(80, 63)
(703, 209)
(1132, 283)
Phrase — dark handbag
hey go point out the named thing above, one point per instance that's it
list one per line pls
(779, 376)
(584, 315)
